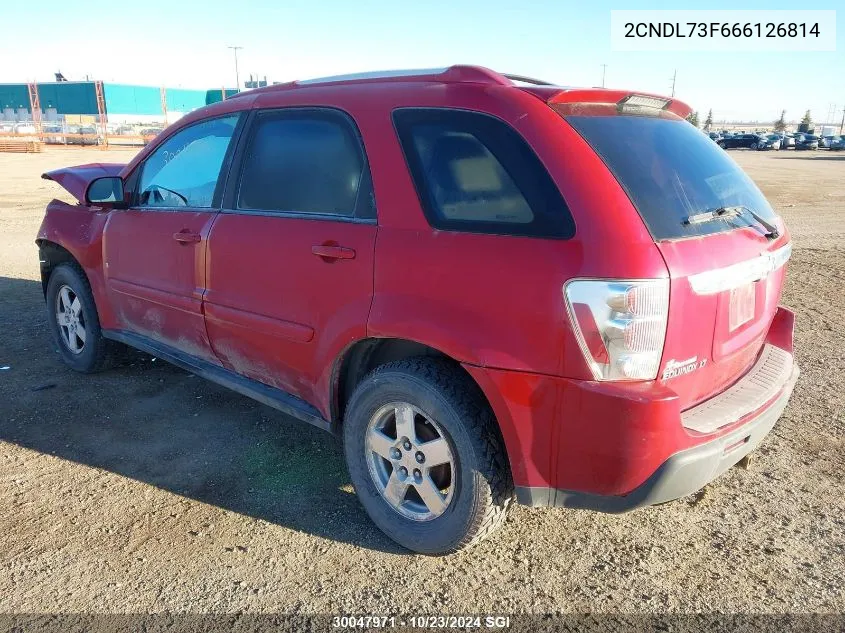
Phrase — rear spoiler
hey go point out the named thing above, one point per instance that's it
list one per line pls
(76, 179)
(599, 101)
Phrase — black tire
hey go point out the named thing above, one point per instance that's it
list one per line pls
(483, 488)
(95, 353)
(723, 145)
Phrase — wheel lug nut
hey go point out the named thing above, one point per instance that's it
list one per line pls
(406, 445)
(417, 474)
(395, 453)
(403, 472)
(420, 457)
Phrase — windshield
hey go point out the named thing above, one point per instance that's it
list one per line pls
(672, 172)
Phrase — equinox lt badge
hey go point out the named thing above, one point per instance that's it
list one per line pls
(675, 368)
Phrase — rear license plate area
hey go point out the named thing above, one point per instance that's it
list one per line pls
(742, 305)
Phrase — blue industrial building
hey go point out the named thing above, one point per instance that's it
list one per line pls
(122, 102)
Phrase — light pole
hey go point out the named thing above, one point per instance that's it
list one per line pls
(603, 73)
(237, 78)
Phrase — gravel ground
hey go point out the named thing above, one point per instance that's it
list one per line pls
(145, 490)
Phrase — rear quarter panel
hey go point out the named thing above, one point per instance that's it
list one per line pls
(491, 300)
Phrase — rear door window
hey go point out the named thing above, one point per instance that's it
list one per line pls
(305, 161)
(672, 172)
(475, 173)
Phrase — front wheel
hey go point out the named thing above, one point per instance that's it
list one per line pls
(425, 456)
(72, 315)
(723, 145)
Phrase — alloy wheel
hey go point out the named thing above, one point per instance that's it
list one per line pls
(411, 461)
(70, 319)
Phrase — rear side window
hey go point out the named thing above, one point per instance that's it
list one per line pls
(672, 173)
(304, 161)
(475, 173)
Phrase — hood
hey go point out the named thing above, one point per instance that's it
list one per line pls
(76, 179)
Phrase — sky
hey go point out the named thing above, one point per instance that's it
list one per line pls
(185, 44)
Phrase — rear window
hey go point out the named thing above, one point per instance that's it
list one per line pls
(672, 172)
(475, 173)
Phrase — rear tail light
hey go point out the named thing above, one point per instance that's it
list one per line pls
(620, 325)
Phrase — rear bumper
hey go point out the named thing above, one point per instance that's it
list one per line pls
(681, 474)
(614, 446)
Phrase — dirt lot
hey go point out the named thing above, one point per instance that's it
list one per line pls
(145, 489)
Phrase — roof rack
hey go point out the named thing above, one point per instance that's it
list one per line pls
(374, 74)
(451, 74)
(527, 80)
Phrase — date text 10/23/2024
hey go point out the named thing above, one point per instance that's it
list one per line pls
(422, 622)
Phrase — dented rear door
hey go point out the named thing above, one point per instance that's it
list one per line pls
(290, 268)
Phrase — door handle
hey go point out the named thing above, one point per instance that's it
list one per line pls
(331, 251)
(186, 237)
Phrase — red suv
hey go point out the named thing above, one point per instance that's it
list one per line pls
(489, 286)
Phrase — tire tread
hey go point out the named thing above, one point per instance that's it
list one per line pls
(463, 394)
(104, 352)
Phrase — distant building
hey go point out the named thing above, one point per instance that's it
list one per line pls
(123, 103)
(255, 83)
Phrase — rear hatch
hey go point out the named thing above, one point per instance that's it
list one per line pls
(723, 244)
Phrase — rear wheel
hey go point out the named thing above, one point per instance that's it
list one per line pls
(73, 319)
(425, 457)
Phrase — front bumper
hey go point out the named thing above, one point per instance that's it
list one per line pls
(681, 474)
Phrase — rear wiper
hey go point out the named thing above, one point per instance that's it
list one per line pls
(722, 213)
(772, 232)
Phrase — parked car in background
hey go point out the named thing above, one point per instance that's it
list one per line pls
(715, 136)
(148, 134)
(806, 141)
(90, 135)
(786, 141)
(53, 134)
(824, 141)
(73, 132)
(83, 135)
(770, 141)
(838, 143)
(24, 129)
(750, 141)
(263, 242)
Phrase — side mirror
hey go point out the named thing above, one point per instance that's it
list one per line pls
(107, 192)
